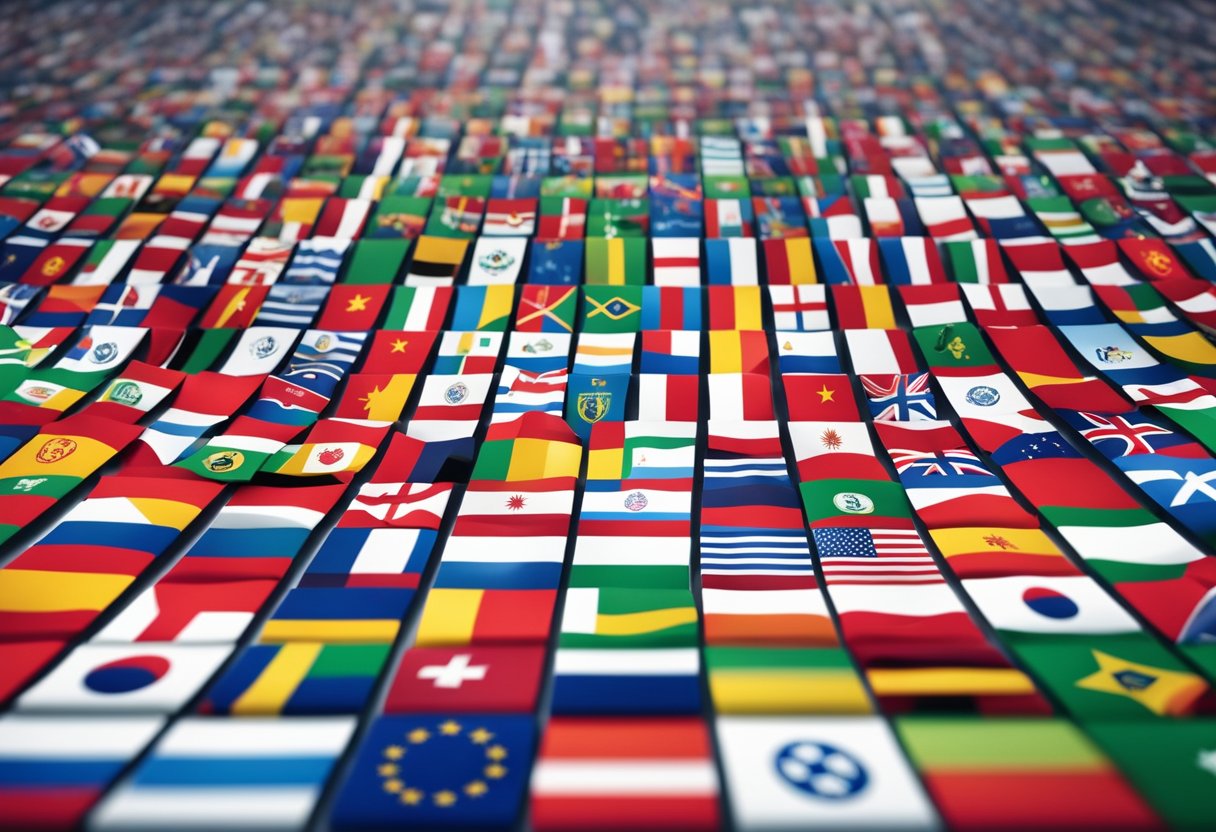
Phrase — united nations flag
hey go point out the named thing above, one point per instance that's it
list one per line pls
(438, 772)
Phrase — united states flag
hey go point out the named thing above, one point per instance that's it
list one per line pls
(874, 556)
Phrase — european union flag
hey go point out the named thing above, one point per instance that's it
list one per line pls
(427, 772)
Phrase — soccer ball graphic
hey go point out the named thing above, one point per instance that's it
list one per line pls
(821, 770)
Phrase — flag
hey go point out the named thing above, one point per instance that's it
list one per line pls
(604, 353)
(538, 353)
(665, 352)
(332, 447)
(55, 461)
(877, 351)
(459, 398)
(788, 261)
(350, 307)
(731, 262)
(424, 771)
(205, 400)
(810, 352)
(520, 392)
(455, 617)
(818, 397)
(671, 308)
(259, 351)
(481, 308)
(873, 504)
(499, 679)
(418, 308)
(612, 309)
(230, 770)
(628, 772)
(799, 308)
(1172, 780)
(215, 612)
(436, 261)
(1127, 676)
(594, 398)
(338, 615)
(1025, 772)
(817, 772)
(676, 261)
(899, 398)
(378, 397)
(297, 679)
(124, 679)
(237, 454)
(994, 551)
(1048, 605)
(641, 450)
(735, 307)
(765, 679)
(615, 261)
(56, 767)
(546, 309)
(398, 351)
(627, 651)
(467, 353)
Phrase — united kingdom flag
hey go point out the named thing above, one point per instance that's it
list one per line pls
(952, 463)
(1130, 434)
(900, 398)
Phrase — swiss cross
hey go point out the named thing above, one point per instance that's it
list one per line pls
(455, 673)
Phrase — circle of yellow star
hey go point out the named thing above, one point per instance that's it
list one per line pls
(450, 728)
(418, 735)
(480, 736)
(445, 798)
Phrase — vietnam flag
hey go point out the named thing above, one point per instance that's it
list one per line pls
(820, 397)
(398, 351)
(353, 307)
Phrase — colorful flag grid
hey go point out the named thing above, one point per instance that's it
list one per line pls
(549, 416)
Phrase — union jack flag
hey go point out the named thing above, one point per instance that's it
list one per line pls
(953, 463)
(900, 398)
(1117, 436)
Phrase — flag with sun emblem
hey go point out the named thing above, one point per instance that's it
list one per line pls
(427, 772)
